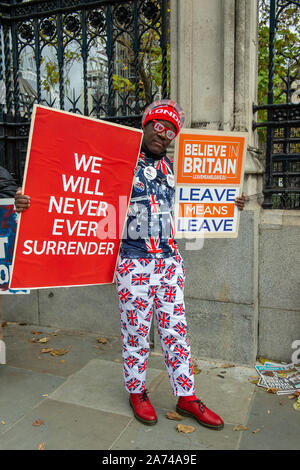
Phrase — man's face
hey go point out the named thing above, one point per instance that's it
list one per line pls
(155, 141)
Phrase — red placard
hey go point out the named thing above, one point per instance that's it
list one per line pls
(79, 173)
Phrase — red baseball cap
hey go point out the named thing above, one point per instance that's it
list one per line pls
(165, 110)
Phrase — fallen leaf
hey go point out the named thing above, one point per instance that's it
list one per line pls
(225, 366)
(45, 395)
(255, 431)
(59, 352)
(255, 382)
(296, 405)
(196, 369)
(240, 427)
(173, 415)
(46, 350)
(185, 429)
(102, 340)
(42, 340)
(38, 422)
(41, 446)
(36, 332)
(272, 390)
(3, 422)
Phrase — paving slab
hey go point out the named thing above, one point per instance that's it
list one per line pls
(99, 385)
(273, 423)
(20, 391)
(23, 348)
(65, 427)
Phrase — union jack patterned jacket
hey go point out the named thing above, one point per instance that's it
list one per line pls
(149, 228)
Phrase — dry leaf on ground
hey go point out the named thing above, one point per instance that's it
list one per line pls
(41, 446)
(173, 415)
(226, 366)
(240, 427)
(272, 390)
(102, 340)
(184, 428)
(59, 352)
(38, 422)
(296, 405)
(196, 369)
(46, 350)
(42, 340)
(255, 431)
(36, 332)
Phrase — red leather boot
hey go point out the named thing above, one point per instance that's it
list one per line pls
(142, 408)
(195, 408)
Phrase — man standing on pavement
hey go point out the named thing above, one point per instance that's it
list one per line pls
(150, 274)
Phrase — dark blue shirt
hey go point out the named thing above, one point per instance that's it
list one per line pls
(149, 228)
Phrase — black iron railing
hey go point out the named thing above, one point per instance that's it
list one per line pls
(282, 124)
(105, 58)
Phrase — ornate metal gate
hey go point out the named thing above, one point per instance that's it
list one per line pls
(105, 58)
(282, 173)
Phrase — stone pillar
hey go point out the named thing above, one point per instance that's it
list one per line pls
(214, 71)
(214, 78)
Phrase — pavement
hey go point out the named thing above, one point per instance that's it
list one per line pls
(63, 390)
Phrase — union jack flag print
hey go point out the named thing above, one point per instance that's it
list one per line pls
(175, 363)
(133, 341)
(160, 265)
(152, 291)
(164, 167)
(178, 310)
(153, 245)
(170, 294)
(154, 204)
(181, 352)
(132, 318)
(125, 295)
(180, 282)
(131, 361)
(163, 319)
(126, 267)
(184, 382)
(140, 279)
(144, 261)
(140, 304)
(133, 384)
(142, 367)
(143, 330)
(170, 271)
(180, 328)
(169, 340)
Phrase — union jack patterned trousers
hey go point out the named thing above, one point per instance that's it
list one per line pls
(147, 286)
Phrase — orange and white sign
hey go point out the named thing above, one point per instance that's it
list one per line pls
(209, 168)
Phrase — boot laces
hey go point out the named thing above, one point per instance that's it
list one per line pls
(200, 404)
(144, 396)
